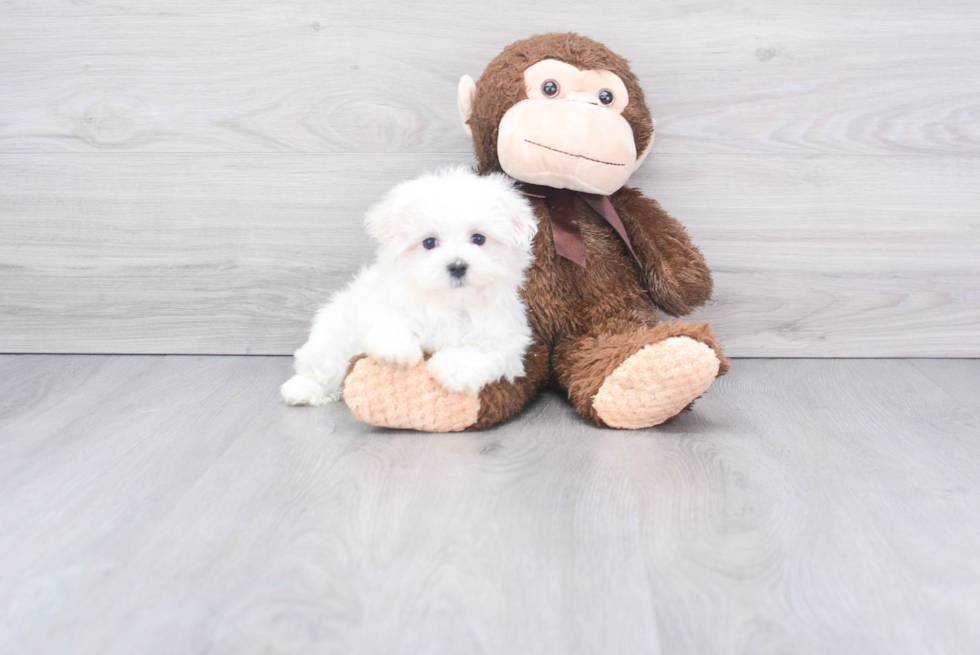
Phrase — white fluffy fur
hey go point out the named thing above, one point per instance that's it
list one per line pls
(407, 303)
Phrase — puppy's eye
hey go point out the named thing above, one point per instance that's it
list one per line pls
(550, 88)
(478, 239)
(430, 243)
(605, 97)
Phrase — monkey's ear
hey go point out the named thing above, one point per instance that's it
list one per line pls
(464, 100)
(646, 151)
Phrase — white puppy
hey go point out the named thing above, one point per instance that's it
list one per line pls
(452, 252)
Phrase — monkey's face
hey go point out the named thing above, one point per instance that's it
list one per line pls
(570, 131)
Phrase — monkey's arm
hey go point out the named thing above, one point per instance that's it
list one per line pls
(674, 271)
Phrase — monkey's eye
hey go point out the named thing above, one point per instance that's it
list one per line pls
(550, 88)
(478, 239)
(605, 97)
(430, 243)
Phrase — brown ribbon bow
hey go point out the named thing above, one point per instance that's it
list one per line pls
(564, 226)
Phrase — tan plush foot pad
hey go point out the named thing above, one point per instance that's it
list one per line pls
(406, 398)
(656, 383)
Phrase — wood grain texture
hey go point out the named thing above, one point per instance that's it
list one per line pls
(173, 504)
(960, 379)
(189, 178)
(759, 76)
(232, 254)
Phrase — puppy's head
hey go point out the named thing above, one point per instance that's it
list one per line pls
(452, 232)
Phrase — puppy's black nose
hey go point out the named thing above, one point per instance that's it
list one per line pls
(458, 269)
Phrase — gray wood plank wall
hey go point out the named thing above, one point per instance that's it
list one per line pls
(187, 177)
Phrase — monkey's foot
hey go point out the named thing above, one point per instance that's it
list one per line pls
(406, 398)
(656, 383)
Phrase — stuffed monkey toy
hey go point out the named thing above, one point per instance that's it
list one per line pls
(566, 117)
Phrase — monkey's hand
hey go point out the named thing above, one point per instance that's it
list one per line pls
(676, 276)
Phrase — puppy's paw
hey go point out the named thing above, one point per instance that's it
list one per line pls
(301, 390)
(404, 354)
(459, 371)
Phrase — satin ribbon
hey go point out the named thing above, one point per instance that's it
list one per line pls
(564, 226)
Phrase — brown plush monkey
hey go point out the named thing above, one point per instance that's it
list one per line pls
(566, 115)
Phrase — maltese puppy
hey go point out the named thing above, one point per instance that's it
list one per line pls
(453, 247)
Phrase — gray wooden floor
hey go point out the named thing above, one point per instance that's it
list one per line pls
(172, 504)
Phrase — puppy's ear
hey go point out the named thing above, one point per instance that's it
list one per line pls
(522, 219)
(382, 218)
